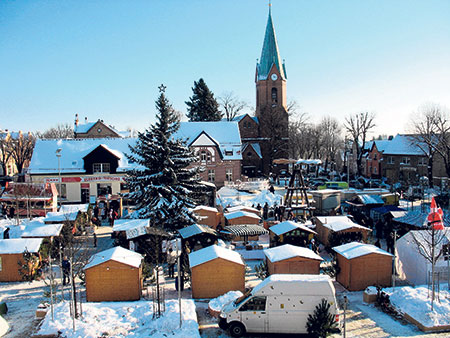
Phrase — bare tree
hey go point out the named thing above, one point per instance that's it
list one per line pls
(429, 244)
(425, 133)
(331, 139)
(5, 151)
(358, 126)
(62, 130)
(231, 105)
(443, 143)
(22, 149)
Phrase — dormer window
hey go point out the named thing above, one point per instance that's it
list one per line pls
(101, 168)
(228, 152)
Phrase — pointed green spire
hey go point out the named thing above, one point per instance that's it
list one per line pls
(270, 54)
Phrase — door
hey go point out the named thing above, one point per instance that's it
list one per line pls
(254, 315)
(84, 195)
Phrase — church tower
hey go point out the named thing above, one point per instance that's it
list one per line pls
(271, 106)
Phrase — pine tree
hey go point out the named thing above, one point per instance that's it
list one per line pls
(321, 323)
(202, 106)
(161, 185)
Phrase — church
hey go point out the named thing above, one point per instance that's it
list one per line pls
(265, 135)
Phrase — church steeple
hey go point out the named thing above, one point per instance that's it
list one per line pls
(270, 55)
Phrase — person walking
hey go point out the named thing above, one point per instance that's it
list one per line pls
(95, 240)
(171, 260)
(66, 270)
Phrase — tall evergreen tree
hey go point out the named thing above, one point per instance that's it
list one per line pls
(202, 106)
(161, 185)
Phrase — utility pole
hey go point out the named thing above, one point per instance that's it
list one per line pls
(179, 279)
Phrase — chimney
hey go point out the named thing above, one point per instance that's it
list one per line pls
(76, 120)
(85, 120)
(390, 138)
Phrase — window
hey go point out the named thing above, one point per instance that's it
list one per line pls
(103, 189)
(274, 95)
(101, 168)
(422, 161)
(63, 190)
(375, 157)
(1, 264)
(445, 252)
(228, 152)
(254, 304)
(406, 160)
(211, 175)
(374, 170)
(391, 160)
(229, 175)
(249, 154)
(203, 156)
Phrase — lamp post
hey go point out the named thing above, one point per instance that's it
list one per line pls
(58, 155)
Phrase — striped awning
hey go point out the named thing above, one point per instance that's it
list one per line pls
(246, 230)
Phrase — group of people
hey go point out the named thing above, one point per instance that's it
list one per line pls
(278, 212)
(8, 211)
(104, 213)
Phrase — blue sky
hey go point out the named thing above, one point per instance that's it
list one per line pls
(105, 59)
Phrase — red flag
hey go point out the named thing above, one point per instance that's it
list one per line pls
(436, 216)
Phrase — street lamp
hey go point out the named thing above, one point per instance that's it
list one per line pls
(58, 155)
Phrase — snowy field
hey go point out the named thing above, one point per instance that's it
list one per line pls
(123, 319)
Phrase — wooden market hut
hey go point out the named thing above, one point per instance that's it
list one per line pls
(73, 220)
(290, 259)
(241, 217)
(244, 208)
(328, 225)
(216, 270)
(11, 253)
(36, 229)
(114, 275)
(244, 232)
(198, 236)
(362, 265)
(289, 232)
(209, 216)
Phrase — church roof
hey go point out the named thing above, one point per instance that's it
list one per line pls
(270, 54)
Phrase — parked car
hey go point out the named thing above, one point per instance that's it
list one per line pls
(279, 304)
(339, 185)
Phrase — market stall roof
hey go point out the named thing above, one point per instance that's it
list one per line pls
(236, 214)
(127, 224)
(419, 219)
(196, 229)
(287, 226)
(356, 249)
(366, 200)
(74, 208)
(55, 217)
(246, 230)
(339, 223)
(19, 245)
(204, 207)
(212, 252)
(242, 208)
(117, 254)
(386, 209)
(286, 251)
(38, 229)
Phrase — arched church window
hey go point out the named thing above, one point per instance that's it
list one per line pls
(274, 95)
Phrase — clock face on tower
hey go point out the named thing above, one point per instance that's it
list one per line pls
(274, 77)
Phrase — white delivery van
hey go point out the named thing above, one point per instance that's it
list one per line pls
(279, 304)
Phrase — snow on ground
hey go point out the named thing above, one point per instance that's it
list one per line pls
(217, 304)
(124, 319)
(415, 302)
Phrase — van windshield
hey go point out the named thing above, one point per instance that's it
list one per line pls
(243, 297)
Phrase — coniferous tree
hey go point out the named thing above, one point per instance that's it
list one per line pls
(161, 185)
(321, 323)
(202, 106)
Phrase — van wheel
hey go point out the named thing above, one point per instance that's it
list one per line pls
(237, 330)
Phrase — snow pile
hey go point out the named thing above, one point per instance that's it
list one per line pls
(416, 303)
(4, 327)
(218, 303)
(123, 319)
(371, 290)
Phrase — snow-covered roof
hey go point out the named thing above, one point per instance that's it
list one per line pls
(356, 249)
(195, 229)
(311, 161)
(339, 223)
(243, 208)
(236, 214)
(44, 160)
(401, 145)
(74, 208)
(286, 226)
(370, 199)
(117, 254)
(256, 147)
(212, 252)
(18, 245)
(127, 224)
(38, 229)
(286, 251)
(225, 134)
(204, 207)
(419, 219)
(60, 217)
